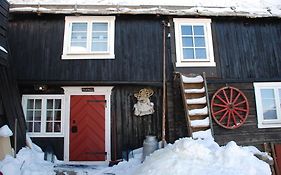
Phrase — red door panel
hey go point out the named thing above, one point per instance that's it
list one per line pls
(278, 156)
(87, 128)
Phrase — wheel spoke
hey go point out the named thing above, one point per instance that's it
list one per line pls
(220, 111)
(228, 119)
(231, 95)
(237, 104)
(224, 115)
(234, 119)
(241, 118)
(236, 98)
(239, 109)
(221, 99)
(226, 97)
(220, 105)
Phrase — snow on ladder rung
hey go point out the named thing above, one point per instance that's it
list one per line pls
(197, 79)
(202, 90)
(194, 101)
(203, 111)
(207, 134)
(200, 123)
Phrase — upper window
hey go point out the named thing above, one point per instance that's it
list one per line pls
(268, 102)
(43, 115)
(193, 42)
(89, 37)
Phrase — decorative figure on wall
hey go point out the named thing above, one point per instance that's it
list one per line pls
(144, 106)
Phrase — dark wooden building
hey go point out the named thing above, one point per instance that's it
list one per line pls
(10, 103)
(95, 61)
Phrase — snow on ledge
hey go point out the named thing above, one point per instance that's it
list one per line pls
(197, 79)
(203, 134)
(3, 49)
(189, 91)
(200, 123)
(203, 111)
(247, 8)
(5, 131)
(201, 100)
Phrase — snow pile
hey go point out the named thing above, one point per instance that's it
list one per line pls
(202, 157)
(5, 131)
(28, 162)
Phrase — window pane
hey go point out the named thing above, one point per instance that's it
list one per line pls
(49, 115)
(186, 30)
(188, 53)
(37, 126)
(30, 103)
(267, 93)
(199, 41)
(200, 53)
(29, 126)
(79, 26)
(38, 104)
(29, 115)
(198, 30)
(49, 127)
(100, 36)
(99, 46)
(268, 104)
(57, 127)
(79, 37)
(58, 115)
(49, 104)
(100, 27)
(187, 42)
(57, 103)
(37, 116)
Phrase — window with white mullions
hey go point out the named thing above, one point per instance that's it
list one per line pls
(268, 103)
(89, 37)
(44, 115)
(193, 39)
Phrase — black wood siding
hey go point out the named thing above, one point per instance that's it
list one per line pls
(11, 101)
(127, 130)
(4, 9)
(37, 44)
(248, 49)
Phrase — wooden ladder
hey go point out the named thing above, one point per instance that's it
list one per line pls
(195, 99)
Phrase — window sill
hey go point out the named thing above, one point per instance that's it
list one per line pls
(269, 125)
(195, 64)
(87, 56)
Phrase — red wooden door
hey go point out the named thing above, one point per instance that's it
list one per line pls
(278, 156)
(87, 128)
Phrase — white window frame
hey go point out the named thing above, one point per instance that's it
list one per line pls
(206, 23)
(267, 123)
(67, 54)
(44, 98)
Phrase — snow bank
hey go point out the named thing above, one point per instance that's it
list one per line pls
(28, 162)
(5, 131)
(202, 157)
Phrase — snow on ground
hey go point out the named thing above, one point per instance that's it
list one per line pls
(5, 131)
(185, 156)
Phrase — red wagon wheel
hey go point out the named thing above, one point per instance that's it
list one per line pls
(229, 107)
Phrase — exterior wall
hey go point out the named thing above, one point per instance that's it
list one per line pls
(37, 45)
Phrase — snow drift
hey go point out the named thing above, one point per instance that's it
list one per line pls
(203, 157)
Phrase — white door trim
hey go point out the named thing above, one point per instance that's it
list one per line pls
(97, 90)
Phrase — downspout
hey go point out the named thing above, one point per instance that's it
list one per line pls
(164, 87)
